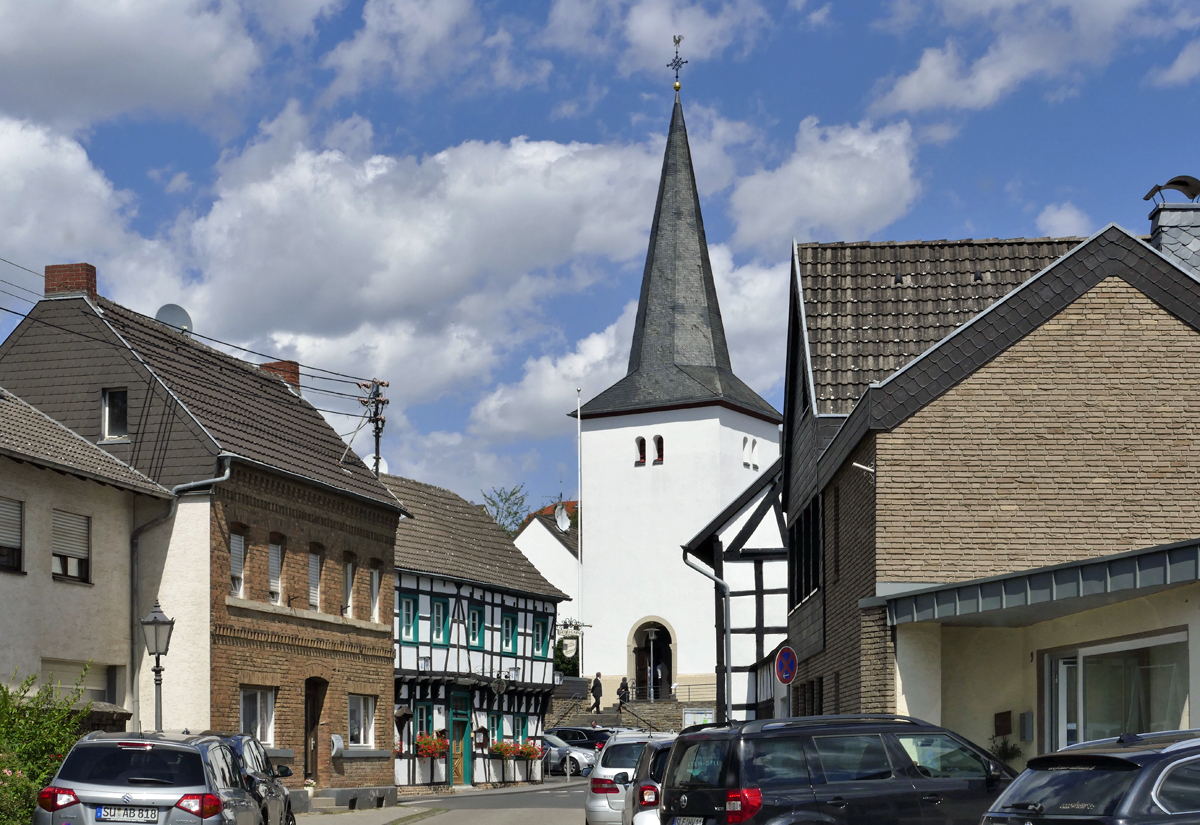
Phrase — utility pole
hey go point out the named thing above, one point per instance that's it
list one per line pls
(375, 402)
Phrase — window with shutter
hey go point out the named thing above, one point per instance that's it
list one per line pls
(71, 545)
(10, 534)
(376, 580)
(275, 573)
(348, 569)
(314, 581)
(237, 564)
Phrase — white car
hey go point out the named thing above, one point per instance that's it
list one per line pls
(613, 774)
(645, 791)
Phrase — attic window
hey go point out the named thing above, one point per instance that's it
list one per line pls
(115, 414)
(658, 449)
(640, 443)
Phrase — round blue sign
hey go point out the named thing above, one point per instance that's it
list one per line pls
(786, 663)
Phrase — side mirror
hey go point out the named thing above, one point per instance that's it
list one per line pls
(622, 778)
(995, 771)
(283, 771)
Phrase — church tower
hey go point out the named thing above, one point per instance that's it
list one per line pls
(664, 450)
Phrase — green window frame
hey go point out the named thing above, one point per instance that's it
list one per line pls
(508, 632)
(439, 631)
(406, 610)
(495, 727)
(541, 638)
(520, 728)
(475, 628)
(423, 718)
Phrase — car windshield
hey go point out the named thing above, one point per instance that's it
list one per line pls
(111, 764)
(697, 764)
(553, 741)
(622, 755)
(1086, 786)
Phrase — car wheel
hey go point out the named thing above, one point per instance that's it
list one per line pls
(289, 818)
(572, 767)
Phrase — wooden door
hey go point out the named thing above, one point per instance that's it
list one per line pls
(457, 734)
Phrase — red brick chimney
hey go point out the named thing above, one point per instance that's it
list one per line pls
(76, 278)
(287, 370)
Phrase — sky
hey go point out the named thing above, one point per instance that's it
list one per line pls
(455, 196)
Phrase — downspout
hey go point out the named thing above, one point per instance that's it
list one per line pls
(724, 587)
(134, 617)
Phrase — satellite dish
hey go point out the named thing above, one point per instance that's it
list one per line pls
(173, 315)
(561, 518)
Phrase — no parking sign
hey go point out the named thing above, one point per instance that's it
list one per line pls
(785, 665)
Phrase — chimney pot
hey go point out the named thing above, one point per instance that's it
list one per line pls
(1175, 231)
(71, 278)
(289, 371)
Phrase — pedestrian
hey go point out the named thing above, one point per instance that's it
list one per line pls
(597, 692)
(623, 693)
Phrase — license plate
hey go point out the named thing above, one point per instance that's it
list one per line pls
(689, 820)
(114, 813)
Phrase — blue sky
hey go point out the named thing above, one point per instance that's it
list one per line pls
(455, 195)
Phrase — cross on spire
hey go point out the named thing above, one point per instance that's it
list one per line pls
(677, 64)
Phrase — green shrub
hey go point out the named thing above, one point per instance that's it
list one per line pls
(37, 728)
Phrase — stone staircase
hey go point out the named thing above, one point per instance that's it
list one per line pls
(665, 715)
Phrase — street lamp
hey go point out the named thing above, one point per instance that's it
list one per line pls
(650, 634)
(157, 629)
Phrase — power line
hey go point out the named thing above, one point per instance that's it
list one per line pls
(18, 266)
(277, 358)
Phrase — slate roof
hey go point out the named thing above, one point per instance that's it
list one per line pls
(679, 355)
(872, 307)
(245, 410)
(569, 539)
(450, 537)
(29, 435)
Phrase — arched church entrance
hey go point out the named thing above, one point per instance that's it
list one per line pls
(653, 665)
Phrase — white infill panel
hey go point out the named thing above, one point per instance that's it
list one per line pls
(10, 523)
(71, 535)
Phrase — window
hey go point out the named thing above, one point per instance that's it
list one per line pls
(495, 728)
(408, 619)
(11, 533)
(71, 545)
(314, 581)
(424, 719)
(258, 714)
(640, 444)
(237, 564)
(853, 758)
(376, 581)
(275, 573)
(541, 638)
(658, 449)
(508, 633)
(439, 624)
(1179, 790)
(348, 570)
(115, 414)
(475, 627)
(837, 533)
(774, 763)
(362, 721)
(939, 756)
(805, 546)
(520, 728)
(224, 767)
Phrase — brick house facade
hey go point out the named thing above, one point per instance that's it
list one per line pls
(969, 409)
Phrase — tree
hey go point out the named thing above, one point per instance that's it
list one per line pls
(506, 506)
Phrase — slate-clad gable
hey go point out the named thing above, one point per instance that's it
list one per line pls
(448, 536)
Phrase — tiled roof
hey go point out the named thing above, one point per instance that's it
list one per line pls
(448, 536)
(247, 411)
(871, 308)
(29, 435)
(569, 539)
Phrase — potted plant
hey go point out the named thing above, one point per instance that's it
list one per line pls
(531, 754)
(506, 752)
(429, 747)
(310, 786)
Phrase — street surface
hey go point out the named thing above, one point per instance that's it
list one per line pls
(555, 804)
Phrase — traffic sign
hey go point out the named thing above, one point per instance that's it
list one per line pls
(786, 663)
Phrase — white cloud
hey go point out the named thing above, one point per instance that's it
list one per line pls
(1052, 40)
(754, 309)
(842, 181)
(291, 19)
(73, 62)
(820, 17)
(180, 182)
(1185, 69)
(1063, 219)
(638, 31)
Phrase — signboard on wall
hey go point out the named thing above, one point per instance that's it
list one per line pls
(697, 716)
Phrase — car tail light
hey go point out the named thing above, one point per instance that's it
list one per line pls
(52, 798)
(743, 804)
(145, 746)
(648, 796)
(599, 746)
(604, 786)
(202, 805)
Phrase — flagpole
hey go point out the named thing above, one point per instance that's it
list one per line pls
(579, 517)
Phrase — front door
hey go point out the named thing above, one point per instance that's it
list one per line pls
(641, 673)
(314, 697)
(460, 738)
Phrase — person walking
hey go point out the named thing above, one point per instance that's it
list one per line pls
(597, 692)
(623, 693)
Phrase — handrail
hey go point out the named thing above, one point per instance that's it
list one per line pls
(571, 710)
(645, 722)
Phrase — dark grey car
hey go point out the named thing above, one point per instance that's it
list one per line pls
(148, 779)
(262, 779)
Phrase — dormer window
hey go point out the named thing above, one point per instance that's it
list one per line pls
(640, 443)
(115, 415)
(658, 449)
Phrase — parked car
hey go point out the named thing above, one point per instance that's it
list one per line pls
(878, 769)
(612, 775)
(644, 791)
(262, 778)
(583, 736)
(168, 779)
(563, 757)
(1133, 779)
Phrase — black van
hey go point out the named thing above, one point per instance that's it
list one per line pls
(877, 769)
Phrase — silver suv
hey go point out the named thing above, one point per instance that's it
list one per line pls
(610, 779)
(148, 779)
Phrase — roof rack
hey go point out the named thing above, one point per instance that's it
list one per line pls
(825, 721)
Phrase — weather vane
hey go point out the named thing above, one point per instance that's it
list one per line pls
(677, 64)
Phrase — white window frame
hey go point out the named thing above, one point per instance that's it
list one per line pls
(106, 433)
(539, 638)
(275, 573)
(376, 587)
(237, 550)
(366, 708)
(349, 570)
(408, 623)
(475, 624)
(510, 640)
(63, 559)
(315, 562)
(437, 623)
(14, 532)
(263, 728)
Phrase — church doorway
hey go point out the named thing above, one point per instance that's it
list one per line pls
(652, 662)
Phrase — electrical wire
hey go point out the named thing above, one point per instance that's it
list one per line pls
(18, 266)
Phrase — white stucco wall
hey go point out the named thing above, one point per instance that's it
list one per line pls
(554, 562)
(48, 619)
(637, 518)
(919, 671)
(179, 577)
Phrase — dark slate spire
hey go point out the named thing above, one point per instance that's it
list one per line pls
(679, 355)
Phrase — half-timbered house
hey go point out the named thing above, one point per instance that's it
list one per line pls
(474, 635)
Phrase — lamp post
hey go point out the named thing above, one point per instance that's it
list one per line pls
(157, 629)
(650, 634)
